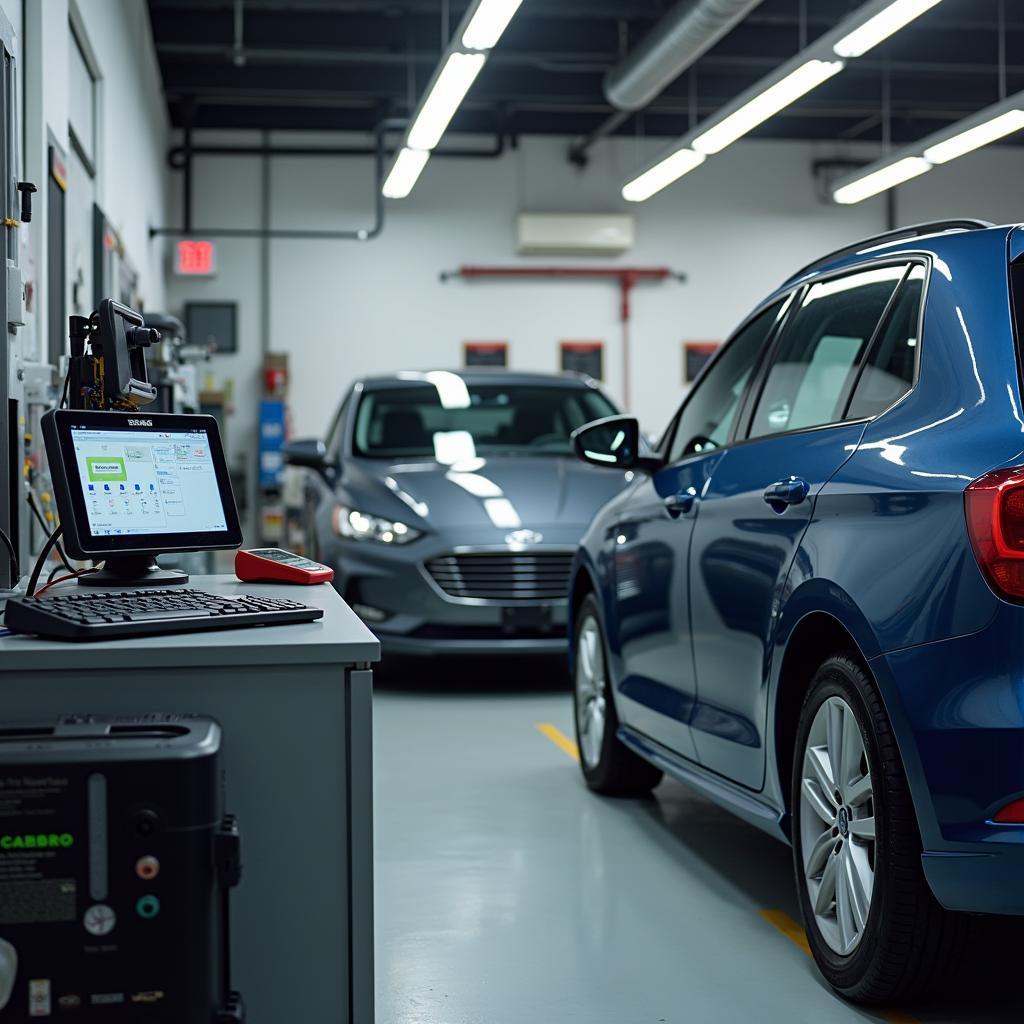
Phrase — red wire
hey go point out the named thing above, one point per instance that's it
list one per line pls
(62, 579)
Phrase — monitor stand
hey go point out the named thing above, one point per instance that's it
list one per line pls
(131, 571)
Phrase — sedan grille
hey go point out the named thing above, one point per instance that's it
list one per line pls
(504, 576)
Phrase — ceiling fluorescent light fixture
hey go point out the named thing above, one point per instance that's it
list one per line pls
(405, 173)
(488, 23)
(881, 180)
(775, 98)
(449, 89)
(974, 138)
(884, 24)
(670, 169)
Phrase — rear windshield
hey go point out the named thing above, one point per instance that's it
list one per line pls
(450, 420)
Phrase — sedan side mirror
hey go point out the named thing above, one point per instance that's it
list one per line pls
(614, 443)
(308, 452)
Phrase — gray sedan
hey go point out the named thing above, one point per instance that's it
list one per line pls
(450, 506)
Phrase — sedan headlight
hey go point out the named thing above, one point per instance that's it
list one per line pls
(356, 525)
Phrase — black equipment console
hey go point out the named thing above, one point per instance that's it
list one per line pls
(116, 861)
(98, 615)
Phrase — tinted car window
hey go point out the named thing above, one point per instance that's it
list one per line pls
(816, 363)
(337, 432)
(889, 372)
(451, 419)
(709, 412)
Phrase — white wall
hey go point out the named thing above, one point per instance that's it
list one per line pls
(736, 227)
(132, 133)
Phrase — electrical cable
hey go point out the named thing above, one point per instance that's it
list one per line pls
(41, 560)
(41, 519)
(15, 568)
(63, 579)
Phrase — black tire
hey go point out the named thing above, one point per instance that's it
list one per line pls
(617, 770)
(908, 940)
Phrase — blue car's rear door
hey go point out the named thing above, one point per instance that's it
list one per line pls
(759, 501)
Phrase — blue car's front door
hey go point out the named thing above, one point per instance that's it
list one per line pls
(656, 691)
(649, 548)
(758, 503)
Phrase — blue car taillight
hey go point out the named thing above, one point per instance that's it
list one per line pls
(1011, 814)
(994, 506)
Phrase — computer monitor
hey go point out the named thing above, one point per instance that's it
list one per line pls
(130, 486)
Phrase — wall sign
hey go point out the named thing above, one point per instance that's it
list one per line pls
(585, 357)
(212, 325)
(194, 257)
(695, 355)
(58, 167)
(485, 353)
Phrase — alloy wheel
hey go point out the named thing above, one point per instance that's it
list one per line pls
(837, 826)
(591, 702)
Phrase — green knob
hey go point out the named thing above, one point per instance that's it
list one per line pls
(148, 907)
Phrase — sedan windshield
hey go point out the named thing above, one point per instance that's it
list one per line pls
(450, 420)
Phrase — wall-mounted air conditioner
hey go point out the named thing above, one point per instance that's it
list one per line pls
(575, 234)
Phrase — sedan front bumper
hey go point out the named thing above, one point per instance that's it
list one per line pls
(474, 599)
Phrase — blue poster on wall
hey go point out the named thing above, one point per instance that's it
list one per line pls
(272, 438)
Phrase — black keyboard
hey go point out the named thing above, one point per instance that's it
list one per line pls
(102, 615)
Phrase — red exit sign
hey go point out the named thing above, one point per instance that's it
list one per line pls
(195, 258)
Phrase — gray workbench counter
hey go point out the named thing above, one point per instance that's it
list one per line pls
(294, 703)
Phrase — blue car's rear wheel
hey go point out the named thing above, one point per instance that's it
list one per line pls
(608, 766)
(875, 929)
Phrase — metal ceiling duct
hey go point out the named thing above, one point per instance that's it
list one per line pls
(686, 32)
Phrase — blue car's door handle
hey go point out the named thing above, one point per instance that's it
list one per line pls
(787, 492)
(679, 504)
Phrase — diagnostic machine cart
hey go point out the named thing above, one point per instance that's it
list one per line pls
(116, 860)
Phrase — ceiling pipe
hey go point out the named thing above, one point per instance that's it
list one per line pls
(682, 36)
(579, 147)
(345, 235)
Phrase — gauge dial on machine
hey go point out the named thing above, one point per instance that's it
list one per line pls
(99, 920)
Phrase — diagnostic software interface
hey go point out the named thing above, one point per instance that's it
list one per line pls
(145, 481)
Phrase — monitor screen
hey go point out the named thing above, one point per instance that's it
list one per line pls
(142, 481)
(130, 483)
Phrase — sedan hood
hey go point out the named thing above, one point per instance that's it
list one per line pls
(505, 492)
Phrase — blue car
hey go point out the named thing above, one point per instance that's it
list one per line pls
(809, 601)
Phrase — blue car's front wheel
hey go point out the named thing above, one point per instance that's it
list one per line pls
(608, 766)
(875, 929)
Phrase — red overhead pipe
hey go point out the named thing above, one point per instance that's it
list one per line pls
(626, 277)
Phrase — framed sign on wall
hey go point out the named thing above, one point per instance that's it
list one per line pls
(695, 355)
(583, 357)
(212, 325)
(485, 353)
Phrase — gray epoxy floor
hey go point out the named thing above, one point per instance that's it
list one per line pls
(508, 894)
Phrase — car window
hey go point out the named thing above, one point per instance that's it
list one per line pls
(821, 349)
(336, 435)
(889, 372)
(449, 419)
(707, 417)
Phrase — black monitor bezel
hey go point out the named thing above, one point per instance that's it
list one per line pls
(79, 540)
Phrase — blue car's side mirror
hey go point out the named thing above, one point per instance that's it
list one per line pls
(614, 443)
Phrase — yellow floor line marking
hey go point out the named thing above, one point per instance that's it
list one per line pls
(784, 923)
(778, 919)
(559, 739)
